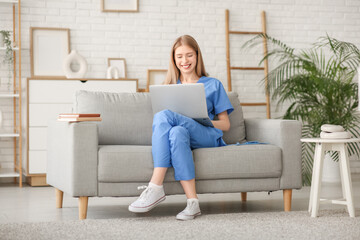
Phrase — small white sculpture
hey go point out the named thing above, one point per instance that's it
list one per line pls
(334, 132)
(74, 57)
(332, 128)
(335, 135)
(112, 72)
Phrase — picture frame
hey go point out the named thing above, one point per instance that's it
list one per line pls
(155, 77)
(119, 5)
(48, 49)
(120, 64)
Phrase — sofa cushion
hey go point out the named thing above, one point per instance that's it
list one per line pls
(237, 123)
(126, 117)
(244, 161)
(126, 163)
(121, 163)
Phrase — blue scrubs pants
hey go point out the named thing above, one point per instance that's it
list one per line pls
(173, 138)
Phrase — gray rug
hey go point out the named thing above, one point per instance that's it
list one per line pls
(332, 224)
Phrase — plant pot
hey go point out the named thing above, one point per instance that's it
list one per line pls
(331, 170)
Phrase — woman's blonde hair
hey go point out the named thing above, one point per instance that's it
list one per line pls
(173, 72)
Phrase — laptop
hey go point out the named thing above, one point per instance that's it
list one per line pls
(186, 99)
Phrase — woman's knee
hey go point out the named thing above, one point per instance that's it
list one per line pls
(164, 115)
(179, 134)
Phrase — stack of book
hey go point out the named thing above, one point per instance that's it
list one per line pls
(79, 117)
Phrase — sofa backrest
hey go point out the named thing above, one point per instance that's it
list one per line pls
(237, 123)
(127, 117)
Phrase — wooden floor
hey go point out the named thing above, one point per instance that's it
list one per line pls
(37, 204)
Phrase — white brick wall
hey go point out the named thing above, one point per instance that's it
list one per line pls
(145, 38)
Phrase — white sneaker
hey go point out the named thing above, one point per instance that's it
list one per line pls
(148, 199)
(191, 211)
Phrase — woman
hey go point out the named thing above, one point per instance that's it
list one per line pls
(174, 135)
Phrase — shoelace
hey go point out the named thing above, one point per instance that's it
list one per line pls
(189, 207)
(142, 187)
(145, 193)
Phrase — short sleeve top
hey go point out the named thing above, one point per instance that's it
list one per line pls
(217, 100)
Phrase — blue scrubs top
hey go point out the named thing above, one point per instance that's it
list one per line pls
(217, 100)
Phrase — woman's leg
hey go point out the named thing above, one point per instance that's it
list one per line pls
(189, 188)
(192, 207)
(158, 175)
(183, 163)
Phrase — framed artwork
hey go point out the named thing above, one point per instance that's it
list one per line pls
(120, 5)
(120, 64)
(155, 77)
(48, 49)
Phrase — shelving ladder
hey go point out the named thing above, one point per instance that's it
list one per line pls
(16, 171)
(265, 68)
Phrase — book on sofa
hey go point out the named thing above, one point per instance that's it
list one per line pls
(79, 117)
(72, 115)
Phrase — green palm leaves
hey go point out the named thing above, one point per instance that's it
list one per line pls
(317, 83)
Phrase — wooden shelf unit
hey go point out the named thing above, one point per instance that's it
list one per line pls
(9, 172)
(9, 95)
(16, 171)
(9, 1)
(14, 49)
(7, 135)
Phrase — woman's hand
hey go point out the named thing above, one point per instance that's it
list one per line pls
(223, 123)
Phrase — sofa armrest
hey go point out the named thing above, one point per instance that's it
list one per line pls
(72, 157)
(283, 133)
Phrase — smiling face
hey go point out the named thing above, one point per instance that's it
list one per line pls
(185, 59)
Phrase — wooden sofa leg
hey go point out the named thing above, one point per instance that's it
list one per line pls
(287, 199)
(59, 198)
(243, 196)
(83, 204)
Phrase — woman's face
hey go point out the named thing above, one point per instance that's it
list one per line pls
(185, 59)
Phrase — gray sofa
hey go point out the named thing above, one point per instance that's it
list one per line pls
(112, 157)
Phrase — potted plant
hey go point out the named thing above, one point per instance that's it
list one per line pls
(317, 83)
(8, 58)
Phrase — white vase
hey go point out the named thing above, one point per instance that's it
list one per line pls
(331, 171)
(112, 72)
(74, 56)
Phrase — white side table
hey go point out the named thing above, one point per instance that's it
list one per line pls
(323, 145)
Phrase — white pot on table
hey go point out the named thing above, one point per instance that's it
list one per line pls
(331, 170)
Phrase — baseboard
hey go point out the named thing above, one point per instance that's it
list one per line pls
(37, 181)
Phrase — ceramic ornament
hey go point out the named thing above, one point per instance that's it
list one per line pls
(74, 56)
(112, 72)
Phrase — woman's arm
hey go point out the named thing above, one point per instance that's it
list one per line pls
(223, 123)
